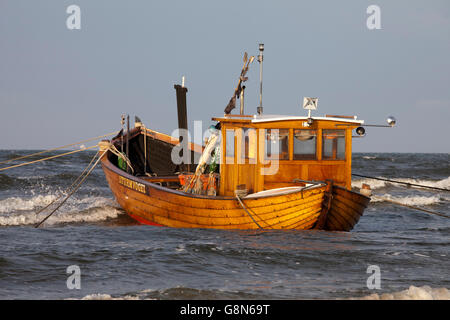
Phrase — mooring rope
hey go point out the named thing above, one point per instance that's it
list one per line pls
(247, 210)
(48, 158)
(58, 148)
(71, 186)
(399, 182)
(414, 207)
(249, 214)
(119, 154)
(74, 189)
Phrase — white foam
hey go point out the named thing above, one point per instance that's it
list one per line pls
(374, 184)
(93, 215)
(378, 184)
(412, 293)
(17, 211)
(444, 183)
(101, 296)
(18, 204)
(409, 200)
(142, 295)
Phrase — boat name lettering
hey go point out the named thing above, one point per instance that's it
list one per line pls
(139, 187)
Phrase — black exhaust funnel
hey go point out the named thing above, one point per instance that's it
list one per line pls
(182, 114)
(181, 106)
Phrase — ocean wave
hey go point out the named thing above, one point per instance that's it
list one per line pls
(42, 180)
(175, 293)
(410, 200)
(374, 184)
(16, 211)
(378, 184)
(15, 204)
(412, 293)
(103, 296)
(6, 181)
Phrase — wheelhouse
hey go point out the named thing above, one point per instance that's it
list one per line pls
(267, 152)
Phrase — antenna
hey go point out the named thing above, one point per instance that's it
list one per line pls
(260, 60)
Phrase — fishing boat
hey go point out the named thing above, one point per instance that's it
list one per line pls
(254, 171)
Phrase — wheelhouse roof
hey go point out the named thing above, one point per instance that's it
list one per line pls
(272, 118)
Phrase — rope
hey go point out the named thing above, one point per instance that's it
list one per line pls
(247, 211)
(74, 189)
(58, 148)
(413, 207)
(114, 150)
(71, 186)
(405, 183)
(249, 214)
(48, 158)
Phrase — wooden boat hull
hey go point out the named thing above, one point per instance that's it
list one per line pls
(152, 204)
(345, 210)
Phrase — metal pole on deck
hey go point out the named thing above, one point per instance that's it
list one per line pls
(260, 60)
(128, 141)
(241, 100)
(122, 122)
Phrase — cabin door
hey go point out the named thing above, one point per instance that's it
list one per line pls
(246, 154)
(239, 160)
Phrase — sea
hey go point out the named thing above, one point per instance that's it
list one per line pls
(90, 249)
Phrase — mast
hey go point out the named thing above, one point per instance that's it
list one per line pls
(241, 100)
(260, 60)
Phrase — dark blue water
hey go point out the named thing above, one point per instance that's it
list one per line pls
(121, 259)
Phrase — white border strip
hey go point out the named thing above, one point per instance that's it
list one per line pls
(272, 118)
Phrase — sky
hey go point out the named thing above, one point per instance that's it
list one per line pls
(61, 85)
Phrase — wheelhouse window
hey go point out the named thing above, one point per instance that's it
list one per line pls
(333, 144)
(305, 142)
(249, 143)
(229, 145)
(277, 144)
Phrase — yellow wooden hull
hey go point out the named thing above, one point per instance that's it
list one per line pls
(346, 209)
(150, 203)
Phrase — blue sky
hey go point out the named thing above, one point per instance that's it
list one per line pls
(58, 85)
